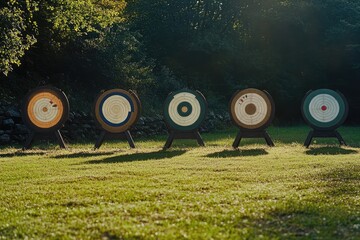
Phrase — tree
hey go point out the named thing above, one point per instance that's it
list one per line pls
(17, 32)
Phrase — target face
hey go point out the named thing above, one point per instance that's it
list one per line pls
(185, 110)
(324, 109)
(252, 109)
(117, 110)
(45, 109)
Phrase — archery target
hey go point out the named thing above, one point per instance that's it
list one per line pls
(185, 110)
(324, 109)
(252, 109)
(117, 110)
(45, 109)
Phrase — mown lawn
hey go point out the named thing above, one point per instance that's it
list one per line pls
(256, 192)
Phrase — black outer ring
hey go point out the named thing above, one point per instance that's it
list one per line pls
(341, 122)
(263, 127)
(206, 111)
(60, 94)
(137, 99)
(133, 93)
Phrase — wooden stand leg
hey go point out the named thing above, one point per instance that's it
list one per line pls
(237, 140)
(130, 139)
(29, 141)
(60, 139)
(268, 140)
(31, 137)
(340, 138)
(100, 140)
(183, 135)
(324, 134)
(103, 134)
(252, 134)
(309, 139)
(199, 139)
(169, 140)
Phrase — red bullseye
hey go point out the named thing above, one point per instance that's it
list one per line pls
(324, 108)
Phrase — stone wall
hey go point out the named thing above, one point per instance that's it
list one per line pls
(81, 125)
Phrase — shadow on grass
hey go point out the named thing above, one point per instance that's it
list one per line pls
(330, 151)
(83, 154)
(238, 153)
(323, 210)
(342, 181)
(138, 157)
(21, 153)
(305, 220)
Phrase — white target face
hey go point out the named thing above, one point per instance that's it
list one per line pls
(45, 110)
(192, 117)
(251, 109)
(324, 108)
(116, 109)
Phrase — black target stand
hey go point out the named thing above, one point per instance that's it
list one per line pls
(245, 133)
(33, 135)
(123, 135)
(175, 134)
(324, 134)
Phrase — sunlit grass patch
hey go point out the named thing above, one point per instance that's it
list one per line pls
(185, 192)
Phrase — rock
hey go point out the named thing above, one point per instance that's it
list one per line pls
(19, 138)
(1, 120)
(81, 125)
(13, 113)
(141, 121)
(141, 133)
(86, 126)
(150, 119)
(21, 129)
(4, 139)
(8, 123)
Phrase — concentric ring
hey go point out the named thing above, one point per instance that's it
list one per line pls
(252, 109)
(324, 109)
(117, 110)
(185, 110)
(45, 109)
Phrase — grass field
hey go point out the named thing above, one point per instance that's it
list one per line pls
(256, 192)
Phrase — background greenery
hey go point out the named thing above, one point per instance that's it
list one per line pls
(286, 47)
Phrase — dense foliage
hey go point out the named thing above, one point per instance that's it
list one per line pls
(16, 32)
(286, 47)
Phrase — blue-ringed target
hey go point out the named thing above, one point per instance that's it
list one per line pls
(185, 110)
(117, 110)
(324, 109)
(252, 109)
(45, 109)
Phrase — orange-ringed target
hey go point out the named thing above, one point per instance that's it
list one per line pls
(45, 109)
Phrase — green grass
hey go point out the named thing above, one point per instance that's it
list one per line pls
(256, 192)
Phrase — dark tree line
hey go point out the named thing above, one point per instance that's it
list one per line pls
(286, 47)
